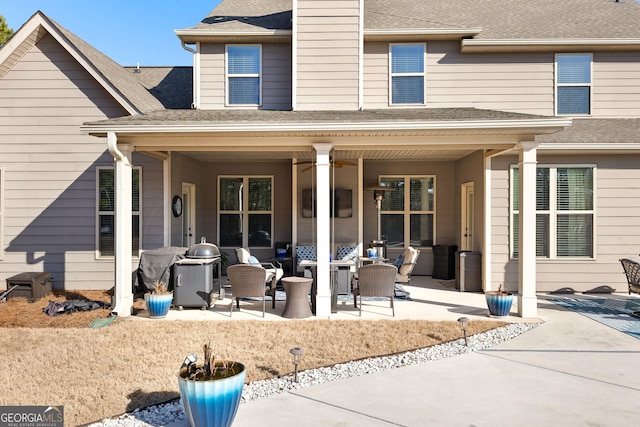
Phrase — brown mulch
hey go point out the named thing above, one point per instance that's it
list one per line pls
(21, 312)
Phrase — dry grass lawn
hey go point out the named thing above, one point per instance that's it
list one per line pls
(98, 373)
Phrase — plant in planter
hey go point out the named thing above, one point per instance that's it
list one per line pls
(211, 391)
(159, 300)
(499, 302)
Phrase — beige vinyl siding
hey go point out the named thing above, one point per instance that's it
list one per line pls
(510, 82)
(616, 84)
(617, 231)
(276, 77)
(49, 168)
(327, 55)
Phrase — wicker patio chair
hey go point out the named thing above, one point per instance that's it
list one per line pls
(248, 281)
(632, 270)
(273, 268)
(405, 264)
(375, 280)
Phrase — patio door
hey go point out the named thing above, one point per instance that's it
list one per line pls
(467, 217)
(188, 214)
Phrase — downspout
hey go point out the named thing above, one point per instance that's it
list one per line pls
(123, 291)
(195, 102)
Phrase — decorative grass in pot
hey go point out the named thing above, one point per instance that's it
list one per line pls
(210, 392)
(499, 302)
(158, 301)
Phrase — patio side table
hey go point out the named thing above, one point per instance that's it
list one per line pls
(297, 303)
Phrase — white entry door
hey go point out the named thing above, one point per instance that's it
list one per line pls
(467, 217)
(188, 214)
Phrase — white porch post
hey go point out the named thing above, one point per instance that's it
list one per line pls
(323, 225)
(123, 295)
(527, 301)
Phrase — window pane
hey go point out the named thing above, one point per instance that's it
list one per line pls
(259, 194)
(231, 230)
(106, 186)
(243, 59)
(231, 194)
(392, 226)
(407, 90)
(244, 90)
(575, 235)
(260, 230)
(135, 190)
(573, 100)
(421, 194)
(407, 58)
(575, 189)
(542, 235)
(515, 189)
(421, 229)
(107, 235)
(135, 234)
(574, 68)
(394, 199)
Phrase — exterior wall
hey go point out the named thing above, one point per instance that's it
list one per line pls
(617, 232)
(276, 77)
(50, 169)
(471, 170)
(616, 84)
(327, 56)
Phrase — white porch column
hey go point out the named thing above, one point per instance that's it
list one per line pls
(323, 225)
(123, 295)
(527, 300)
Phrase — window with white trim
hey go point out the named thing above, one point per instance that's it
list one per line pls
(573, 84)
(407, 215)
(407, 73)
(565, 211)
(245, 214)
(105, 199)
(244, 71)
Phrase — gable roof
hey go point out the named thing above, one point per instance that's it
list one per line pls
(485, 20)
(134, 97)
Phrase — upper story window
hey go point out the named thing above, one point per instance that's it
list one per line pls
(245, 216)
(565, 212)
(573, 84)
(407, 73)
(408, 212)
(244, 73)
(106, 211)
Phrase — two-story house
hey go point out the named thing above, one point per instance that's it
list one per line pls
(507, 129)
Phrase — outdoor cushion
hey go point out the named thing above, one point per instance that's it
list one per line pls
(306, 253)
(253, 260)
(347, 252)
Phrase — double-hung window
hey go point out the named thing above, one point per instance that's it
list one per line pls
(408, 211)
(573, 84)
(245, 211)
(244, 72)
(407, 76)
(564, 211)
(106, 211)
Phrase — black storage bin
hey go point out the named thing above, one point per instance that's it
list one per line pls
(444, 262)
(32, 286)
(469, 271)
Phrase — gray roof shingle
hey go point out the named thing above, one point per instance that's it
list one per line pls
(513, 19)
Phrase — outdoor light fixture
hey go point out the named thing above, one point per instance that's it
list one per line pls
(463, 325)
(297, 353)
(378, 197)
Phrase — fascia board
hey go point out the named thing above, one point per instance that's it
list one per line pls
(501, 45)
(195, 35)
(421, 32)
(543, 125)
(603, 146)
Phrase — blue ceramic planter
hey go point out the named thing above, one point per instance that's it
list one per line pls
(158, 305)
(212, 403)
(499, 305)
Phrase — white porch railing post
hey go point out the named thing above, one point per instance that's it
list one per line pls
(123, 295)
(527, 301)
(323, 224)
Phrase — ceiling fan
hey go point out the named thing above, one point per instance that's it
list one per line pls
(333, 163)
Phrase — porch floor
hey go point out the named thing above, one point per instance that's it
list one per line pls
(430, 299)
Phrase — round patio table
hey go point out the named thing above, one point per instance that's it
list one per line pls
(297, 303)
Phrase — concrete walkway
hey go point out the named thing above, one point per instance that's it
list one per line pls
(569, 371)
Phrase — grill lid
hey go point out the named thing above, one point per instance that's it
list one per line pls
(203, 250)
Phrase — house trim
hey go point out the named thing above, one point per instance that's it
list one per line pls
(548, 45)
